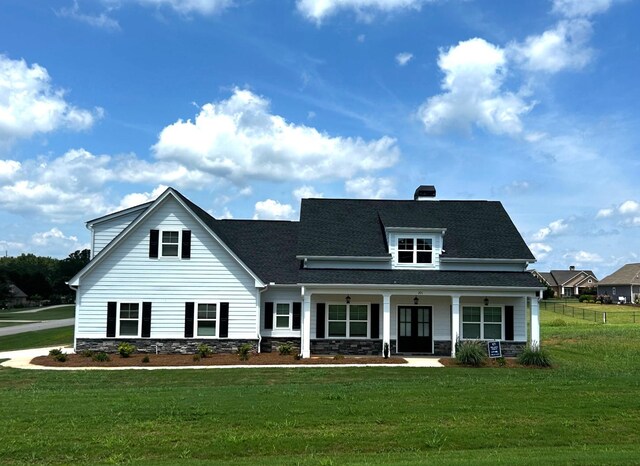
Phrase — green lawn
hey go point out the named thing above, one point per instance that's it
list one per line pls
(586, 410)
(57, 313)
(62, 336)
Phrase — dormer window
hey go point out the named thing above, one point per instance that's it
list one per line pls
(415, 251)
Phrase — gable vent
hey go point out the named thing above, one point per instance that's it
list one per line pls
(424, 192)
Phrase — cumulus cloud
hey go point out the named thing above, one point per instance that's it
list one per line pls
(185, 7)
(582, 257)
(239, 138)
(554, 228)
(629, 207)
(306, 192)
(474, 71)
(403, 58)
(29, 103)
(370, 187)
(273, 210)
(580, 8)
(540, 250)
(626, 214)
(8, 169)
(54, 234)
(100, 21)
(604, 213)
(563, 47)
(134, 199)
(317, 10)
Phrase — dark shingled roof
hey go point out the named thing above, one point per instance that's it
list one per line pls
(352, 227)
(626, 275)
(549, 278)
(418, 277)
(563, 276)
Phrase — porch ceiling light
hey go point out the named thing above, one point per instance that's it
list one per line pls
(416, 300)
(347, 299)
(486, 301)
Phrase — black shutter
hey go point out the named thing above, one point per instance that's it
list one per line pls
(297, 313)
(112, 311)
(375, 320)
(508, 322)
(153, 243)
(320, 320)
(224, 320)
(186, 244)
(268, 316)
(188, 320)
(146, 320)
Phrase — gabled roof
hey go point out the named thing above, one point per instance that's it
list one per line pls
(626, 275)
(564, 276)
(548, 277)
(356, 228)
(16, 292)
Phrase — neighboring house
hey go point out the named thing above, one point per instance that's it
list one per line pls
(624, 282)
(16, 297)
(568, 283)
(350, 277)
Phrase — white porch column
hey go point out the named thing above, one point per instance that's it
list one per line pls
(305, 341)
(386, 321)
(535, 322)
(455, 323)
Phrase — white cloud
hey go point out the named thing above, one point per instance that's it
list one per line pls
(370, 187)
(239, 138)
(317, 10)
(100, 21)
(580, 8)
(273, 210)
(306, 192)
(629, 207)
(134, 199)
(582, 257)
(540, 250)
(185, 7)
(474, 74)
(226, 214)
(563, 47)
(604, 213)
(554, 228)
(29, 104)
(45, 238)
(8, 169)
(404, 58)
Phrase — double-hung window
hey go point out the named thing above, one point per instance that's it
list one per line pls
(129, 319)
(170, 243)
(415, 251)
(283, 316)
(482, 322)
(348, 321)
(206, 322)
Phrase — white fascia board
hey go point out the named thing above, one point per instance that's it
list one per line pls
(442, 289)
(585, 278)
(75, 281)
(347, 258)
(442, 231)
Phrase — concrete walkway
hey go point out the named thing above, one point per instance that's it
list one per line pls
(44, 325)
(38, 309)
(21, 360)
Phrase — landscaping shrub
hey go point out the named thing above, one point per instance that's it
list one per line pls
(285, 349)
(534, 357)
(86, 353)
(584, 297)
(558, 323)
(62, 357)
(338, 357)
(244, 351)
(55, 352)
(204, 350)
(126, 349)
(501, 361)
(471, 353)
(146, 359)
(197, 357)
(101, 356)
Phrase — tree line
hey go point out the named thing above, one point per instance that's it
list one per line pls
(41, 278)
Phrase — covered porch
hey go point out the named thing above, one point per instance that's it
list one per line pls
(415, 320)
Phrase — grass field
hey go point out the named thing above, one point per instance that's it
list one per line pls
(65, 312)
(586, 410)
(62, 336)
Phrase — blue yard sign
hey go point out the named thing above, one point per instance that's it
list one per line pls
(495, 351)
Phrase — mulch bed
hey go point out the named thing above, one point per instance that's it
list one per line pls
(508, 362)
(158, 360)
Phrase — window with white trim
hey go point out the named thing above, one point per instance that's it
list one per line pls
(170, 243)
(283, 316)
(129, 319)
(482, 322)
(348, 321)
(206, 320)
(415, 250)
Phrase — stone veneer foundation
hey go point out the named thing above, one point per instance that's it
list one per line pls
(163, 346)
(352, 346)
(271, 344)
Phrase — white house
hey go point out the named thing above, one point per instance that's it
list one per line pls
(351, 277)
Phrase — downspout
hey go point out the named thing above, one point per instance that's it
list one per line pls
(259, 307)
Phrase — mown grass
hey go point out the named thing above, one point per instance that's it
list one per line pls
(62, 336)
(65, 312)
(583, 411)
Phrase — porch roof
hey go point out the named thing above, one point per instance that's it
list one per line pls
(419, 278)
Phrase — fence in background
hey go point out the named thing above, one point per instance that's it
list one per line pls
(593, 315)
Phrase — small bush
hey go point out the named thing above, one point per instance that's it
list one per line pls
(534, 357)
(86, 353)
(126, 349)
(146, 359)
(285, 349)
(55, 352)
(100, 356)
(197, 357)
(338, 357)
(204, 350)
(501, 361)
(471, 353)
(244, 351)
(60, 357)
(558, 323)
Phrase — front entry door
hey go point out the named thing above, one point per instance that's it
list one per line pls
(414, 329)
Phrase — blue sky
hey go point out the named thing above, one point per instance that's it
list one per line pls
(246, 106)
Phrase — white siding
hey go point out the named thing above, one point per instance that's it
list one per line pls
(104, 232)
(436, 244)
(279, 295)
(127, 274)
